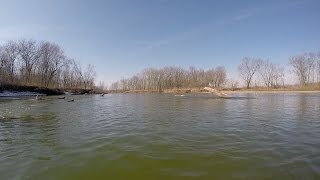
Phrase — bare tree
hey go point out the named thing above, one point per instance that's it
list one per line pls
(83, 79)
(247, 68)
(10, 53)
(30, 54)
(89, 77)
(311, 65)
(77, 74)
(51, 60)
(271, 73)
(178, 77)
(267, 72)
(279, 79)
(216, 76)
(303, 67)
(2, 61)
(68, 75)
(299, 68)
(135, 83)
(192, 76)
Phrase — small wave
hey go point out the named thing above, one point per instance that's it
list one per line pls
(179, 95)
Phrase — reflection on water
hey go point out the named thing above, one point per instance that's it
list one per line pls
(157, 136)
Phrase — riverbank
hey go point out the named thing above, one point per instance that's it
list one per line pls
(19, 90)
(270, 91)
(292, 89)
(8, 90)
(229, 91)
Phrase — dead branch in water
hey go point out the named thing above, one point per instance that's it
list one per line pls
(216, 92)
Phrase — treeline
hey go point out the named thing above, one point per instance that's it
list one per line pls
(42, 64)
(306, 68)
(264, 72)
(252, 72)
(168, 78)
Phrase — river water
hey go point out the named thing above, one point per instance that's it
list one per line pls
(161, 136)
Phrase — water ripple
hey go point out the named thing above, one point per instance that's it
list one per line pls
(161, 136)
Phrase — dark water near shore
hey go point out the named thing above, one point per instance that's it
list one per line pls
(161, 136)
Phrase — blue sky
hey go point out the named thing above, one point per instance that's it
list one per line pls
(122, 37)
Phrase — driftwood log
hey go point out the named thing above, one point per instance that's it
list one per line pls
(216, 92)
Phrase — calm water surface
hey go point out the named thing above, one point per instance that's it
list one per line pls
(161, 136)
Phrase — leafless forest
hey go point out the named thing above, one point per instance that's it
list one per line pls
(42, 64)
(252, 72)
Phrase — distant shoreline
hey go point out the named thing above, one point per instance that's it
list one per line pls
(270, 91)
(19, 90)
(238, 91)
